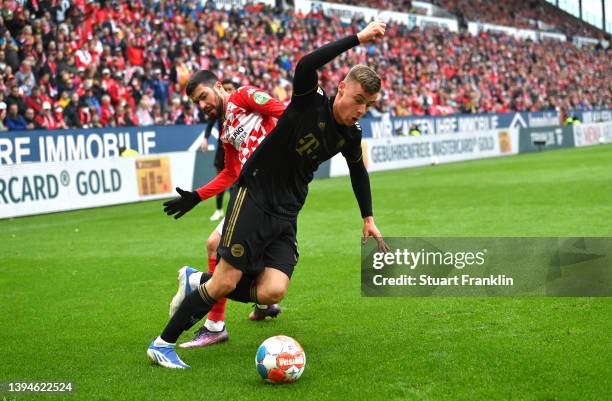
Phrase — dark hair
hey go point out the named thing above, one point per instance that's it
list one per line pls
(229, 81)
(204, 77)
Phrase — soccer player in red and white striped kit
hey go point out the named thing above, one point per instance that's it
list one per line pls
(248, 114)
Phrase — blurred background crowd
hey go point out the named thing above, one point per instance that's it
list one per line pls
(67, 64)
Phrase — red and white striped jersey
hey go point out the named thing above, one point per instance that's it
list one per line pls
(250, 116)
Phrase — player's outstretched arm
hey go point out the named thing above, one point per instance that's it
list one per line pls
(187, 200)
(226, 177)
(305, 79)
(360, 180)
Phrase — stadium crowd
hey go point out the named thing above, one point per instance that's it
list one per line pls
(121, 63)
(520, 14)
(530, 14)
(404, 6)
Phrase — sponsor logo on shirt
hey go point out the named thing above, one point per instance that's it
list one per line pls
(261, 98)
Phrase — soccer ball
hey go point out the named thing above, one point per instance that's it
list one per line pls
(280, 359)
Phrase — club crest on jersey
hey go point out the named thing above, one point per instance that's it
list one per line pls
(237, 250)
(322, 125)
(261, 98)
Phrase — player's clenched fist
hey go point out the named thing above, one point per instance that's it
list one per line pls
(374, 30)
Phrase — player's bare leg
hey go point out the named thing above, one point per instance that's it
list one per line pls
(272, 285)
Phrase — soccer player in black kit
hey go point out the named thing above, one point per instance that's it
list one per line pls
(258, 249)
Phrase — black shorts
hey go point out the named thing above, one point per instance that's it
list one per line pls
(253, 239)
(219, 162)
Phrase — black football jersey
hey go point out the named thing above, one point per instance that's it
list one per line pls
(278, 173)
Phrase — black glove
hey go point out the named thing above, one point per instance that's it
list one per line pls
(180, 206)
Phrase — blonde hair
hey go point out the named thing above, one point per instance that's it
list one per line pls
(366, 77)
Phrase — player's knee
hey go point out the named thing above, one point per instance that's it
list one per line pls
(271, 295)
(275, 297)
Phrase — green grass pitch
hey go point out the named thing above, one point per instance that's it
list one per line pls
(84, 292)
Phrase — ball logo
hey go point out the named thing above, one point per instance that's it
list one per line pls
(286, 360)
(237, 250)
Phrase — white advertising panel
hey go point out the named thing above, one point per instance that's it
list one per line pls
(400, 152)
(36, 188)
(593, 134)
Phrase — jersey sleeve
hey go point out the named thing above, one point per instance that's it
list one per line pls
(258, 101)
(305, 79)
(352, 151)
(225, 178)
(360, 181)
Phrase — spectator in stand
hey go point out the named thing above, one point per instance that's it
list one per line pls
(89, 98)
(71, 112)
(158, 115)
(45, 119)
(120, 116)
(106, 110)
(164, 63)
(131, 117)
(58, 113)
(189, 116)
(16, 97)
(30, 119)
(63, 101)
(83, 56)
(25, 77)
(3, 117)
(35, 100)
(175, 111)
(161, 89)
(95, 121)
(85, 115)
(142, 112)
(15, 121)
